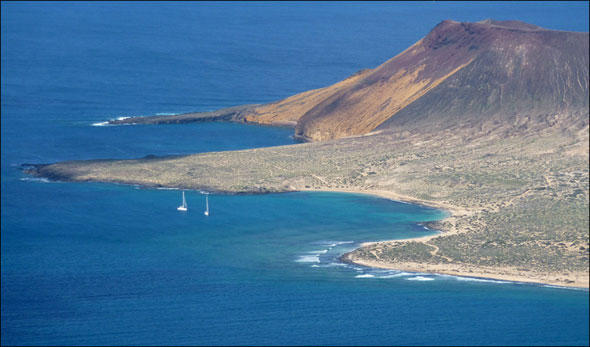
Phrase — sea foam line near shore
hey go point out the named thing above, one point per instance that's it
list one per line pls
(326, 258)
(319, 259)
(476, 274)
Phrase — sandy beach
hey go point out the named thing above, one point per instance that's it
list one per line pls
(513, 274)
(576, 280)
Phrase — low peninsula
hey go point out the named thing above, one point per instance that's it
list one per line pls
(488, 120)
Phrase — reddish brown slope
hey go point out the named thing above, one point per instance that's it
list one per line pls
(458, 71)
(522, 74)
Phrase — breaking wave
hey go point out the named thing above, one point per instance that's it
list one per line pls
(474, 279)
(308, 259)
(35, 179)
(365, 276)
(420, 278)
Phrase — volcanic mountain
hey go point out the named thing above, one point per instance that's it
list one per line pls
(488, 75)
(459, 74)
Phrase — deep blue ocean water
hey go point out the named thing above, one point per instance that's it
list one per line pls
(91, 263)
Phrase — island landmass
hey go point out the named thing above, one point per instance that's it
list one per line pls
(486, 120)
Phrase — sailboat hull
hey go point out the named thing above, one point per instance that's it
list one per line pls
(182, 207)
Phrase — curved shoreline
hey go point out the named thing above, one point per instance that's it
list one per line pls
(569, 279)
(580, 280)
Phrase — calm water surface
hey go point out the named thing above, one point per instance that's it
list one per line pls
(90, 263)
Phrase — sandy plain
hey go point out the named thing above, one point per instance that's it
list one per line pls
(518, 195)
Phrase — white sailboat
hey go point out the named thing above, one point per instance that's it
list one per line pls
(206, 205)
(183, 207)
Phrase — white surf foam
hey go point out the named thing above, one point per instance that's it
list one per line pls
(564, 287)
(336, 243)
(106, 123)
(335, 264)
(364, 276)
(473, 279)
(420, 278)
(395, 275)
(166, 114)
(323, 251)
(35, 179)
(308, 259)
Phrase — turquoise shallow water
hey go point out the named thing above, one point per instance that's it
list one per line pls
(91, 263)
(102, 263)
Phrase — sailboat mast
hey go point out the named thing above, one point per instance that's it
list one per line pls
(183, 206)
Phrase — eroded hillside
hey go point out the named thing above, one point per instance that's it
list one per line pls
(470, 72)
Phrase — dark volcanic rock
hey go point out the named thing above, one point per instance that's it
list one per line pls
(235, 113)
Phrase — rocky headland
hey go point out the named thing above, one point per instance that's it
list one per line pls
(488, 120)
